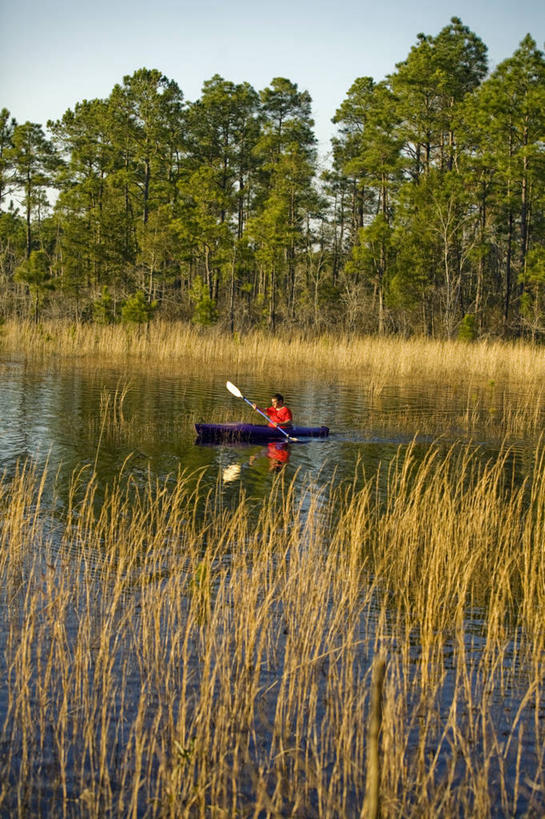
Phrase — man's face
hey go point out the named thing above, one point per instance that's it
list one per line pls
(275, 402)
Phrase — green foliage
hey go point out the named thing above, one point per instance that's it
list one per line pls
(467, 330)
(436, 76)
(35, 272)
(7, 127)
(204, 312)
(534, 276)
(103, 308)
(136, 310)
(431, 211)
(532, 300)
(33, 160)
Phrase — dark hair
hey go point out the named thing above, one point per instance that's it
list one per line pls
(278, 397)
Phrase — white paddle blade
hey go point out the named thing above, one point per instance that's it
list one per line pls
(233, 390)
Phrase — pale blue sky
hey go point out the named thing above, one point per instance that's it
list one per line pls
(57, 52)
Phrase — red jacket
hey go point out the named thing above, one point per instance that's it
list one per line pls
(279, 415)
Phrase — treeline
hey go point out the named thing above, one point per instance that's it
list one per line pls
(429, 217)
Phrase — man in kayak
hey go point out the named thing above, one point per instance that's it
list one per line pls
(279, 414)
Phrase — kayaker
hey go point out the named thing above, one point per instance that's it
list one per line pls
(279, 414)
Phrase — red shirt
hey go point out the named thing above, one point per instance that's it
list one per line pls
(279, 415)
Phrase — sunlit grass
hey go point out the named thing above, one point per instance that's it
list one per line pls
(165, 654)
(483, 362)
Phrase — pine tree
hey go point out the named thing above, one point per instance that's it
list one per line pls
(436, 76)
(371, 153)
(7, 126)
(216, 186)
(33, 160)
(35, 273)
(82, 137)
(286, 195)
(505, 122)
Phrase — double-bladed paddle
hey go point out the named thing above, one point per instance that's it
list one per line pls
(237, 393)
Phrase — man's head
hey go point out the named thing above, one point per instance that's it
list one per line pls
(277, 400)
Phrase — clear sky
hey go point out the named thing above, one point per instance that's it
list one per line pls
(57, 52)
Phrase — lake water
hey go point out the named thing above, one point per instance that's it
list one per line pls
(74, 416)
(67, 415)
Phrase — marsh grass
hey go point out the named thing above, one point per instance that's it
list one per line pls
(164, 654)
(118, 424)
(384, 358)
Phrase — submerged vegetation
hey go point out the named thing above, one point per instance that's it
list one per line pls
(428, 218)
(162, 661)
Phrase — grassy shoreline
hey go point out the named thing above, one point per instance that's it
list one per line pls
(379, 357)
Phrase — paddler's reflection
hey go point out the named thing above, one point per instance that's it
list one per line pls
(278, 453)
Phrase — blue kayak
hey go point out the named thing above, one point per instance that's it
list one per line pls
(254, 433)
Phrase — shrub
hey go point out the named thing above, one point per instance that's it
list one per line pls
(467, 330)
(136, 310)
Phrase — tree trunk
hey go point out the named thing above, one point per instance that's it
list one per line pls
(508, 272)
(28, 217)
(209, 282)
(524, 212)
(232, 297)
(272, 301)
(480, 266)
(147, 177)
